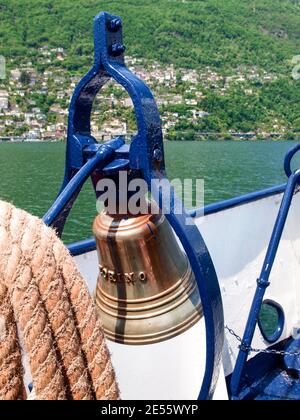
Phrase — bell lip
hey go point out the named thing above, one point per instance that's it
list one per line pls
(185, 293)
(160, 336)
(150, 309)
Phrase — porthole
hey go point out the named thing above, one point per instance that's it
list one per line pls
(271, 321)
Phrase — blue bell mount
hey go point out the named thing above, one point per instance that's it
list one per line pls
(86, 158)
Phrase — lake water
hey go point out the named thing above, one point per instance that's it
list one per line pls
(31, 174)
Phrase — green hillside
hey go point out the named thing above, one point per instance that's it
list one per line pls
(220, 33)
(193, 34)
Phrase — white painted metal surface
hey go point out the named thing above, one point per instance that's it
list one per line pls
(237, 239)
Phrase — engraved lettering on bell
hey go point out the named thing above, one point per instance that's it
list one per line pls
(113, 277)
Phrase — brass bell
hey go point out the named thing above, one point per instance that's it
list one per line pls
(146, 291)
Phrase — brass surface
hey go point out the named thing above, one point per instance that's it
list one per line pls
(146, 291)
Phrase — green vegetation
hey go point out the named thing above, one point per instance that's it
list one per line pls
(272, 106)
(218, 33)
(228, 37)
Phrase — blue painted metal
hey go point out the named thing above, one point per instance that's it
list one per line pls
(263, 282)
(292, 362)
(57, 214)
(146, 157)
(82, 247)
(116, 165)
(271, 339)
(288, 160)
(238, 201)
(275, 385)
(257, 370)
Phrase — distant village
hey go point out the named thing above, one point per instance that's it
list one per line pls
(34, 104)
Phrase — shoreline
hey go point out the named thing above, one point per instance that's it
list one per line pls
(174, 137)
(21, 140)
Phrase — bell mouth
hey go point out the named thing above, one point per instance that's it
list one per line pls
(164, 316)
(146, 291)
(154, 337)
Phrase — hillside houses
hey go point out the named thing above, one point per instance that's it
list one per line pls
(199, 114)
(115, 127)
(15, 75)
(4, 104)
(35, 102)
(2, 67)
(191, 77)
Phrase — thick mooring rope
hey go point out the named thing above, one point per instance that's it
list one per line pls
(46, 309)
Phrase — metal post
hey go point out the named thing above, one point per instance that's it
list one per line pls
(263, 282)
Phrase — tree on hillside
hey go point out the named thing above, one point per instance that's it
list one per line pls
(25, 78)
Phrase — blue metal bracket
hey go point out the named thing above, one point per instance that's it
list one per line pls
(99, 156)
(264, 280)
(145, 157)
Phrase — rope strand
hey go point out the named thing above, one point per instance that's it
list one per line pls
(42, 291)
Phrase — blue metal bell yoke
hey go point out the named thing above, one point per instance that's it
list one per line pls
(145, 155)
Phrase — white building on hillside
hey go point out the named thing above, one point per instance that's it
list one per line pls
(15, 75)
(3, 100)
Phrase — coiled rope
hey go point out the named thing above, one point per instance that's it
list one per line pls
(47, 311)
